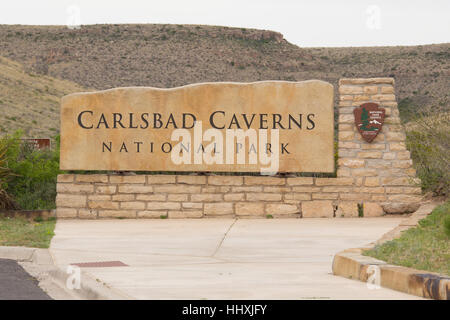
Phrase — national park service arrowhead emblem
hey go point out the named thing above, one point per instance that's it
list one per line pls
(369, 119)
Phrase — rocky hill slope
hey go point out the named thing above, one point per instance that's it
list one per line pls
(105, 56)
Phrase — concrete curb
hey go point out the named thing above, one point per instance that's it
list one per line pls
(90, 288)
(352, 264)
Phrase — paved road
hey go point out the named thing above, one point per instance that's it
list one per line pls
(222, 258)
(17, 284)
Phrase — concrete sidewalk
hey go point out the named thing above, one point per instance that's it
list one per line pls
(222, 258)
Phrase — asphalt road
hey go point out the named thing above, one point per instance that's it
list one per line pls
(17, 284)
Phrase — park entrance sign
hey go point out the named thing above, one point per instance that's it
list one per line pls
(242, 128)
(267, 127)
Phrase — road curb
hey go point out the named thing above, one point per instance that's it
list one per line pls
(89, 289)
(352, 264)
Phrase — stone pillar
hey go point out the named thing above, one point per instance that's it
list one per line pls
(382, 170)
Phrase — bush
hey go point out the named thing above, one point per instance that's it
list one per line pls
(6, 202)
(447, 226)
(33, 185)
(428, 139)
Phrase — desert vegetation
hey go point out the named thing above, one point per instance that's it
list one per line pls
(29, 179)
(428, 139)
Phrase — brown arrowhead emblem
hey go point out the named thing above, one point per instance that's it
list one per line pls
(369, 119)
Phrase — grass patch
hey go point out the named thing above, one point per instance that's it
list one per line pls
(425, 247)
(26, 233)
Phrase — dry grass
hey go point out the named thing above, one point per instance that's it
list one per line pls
(30, 101)
(426, 247)
(22, 232)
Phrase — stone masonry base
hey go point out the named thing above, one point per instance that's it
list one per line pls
(188, 196)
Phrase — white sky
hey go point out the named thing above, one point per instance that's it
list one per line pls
(315, 23)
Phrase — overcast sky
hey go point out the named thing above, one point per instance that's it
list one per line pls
(316, 23)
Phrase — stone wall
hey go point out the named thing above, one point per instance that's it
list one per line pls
(382, 170)
(377, 177)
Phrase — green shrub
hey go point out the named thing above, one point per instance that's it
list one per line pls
(447, 226)
(33, 184)
(428, 139)
(6, 202)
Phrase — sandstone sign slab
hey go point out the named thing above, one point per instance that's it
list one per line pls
(234, 127)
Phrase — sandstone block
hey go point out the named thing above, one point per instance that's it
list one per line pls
(191, 179)
(192, 205)
(124, 197)
(346, 135)
(265, 181)
(317, 209)
(150, 197)
(65, 178)
(372, 182)
(105, 189)
(297, 196)
(387, 89)
(185, 214)
(346, 118)
(281, 209)
(101, 178)
(71, 200)
(225, 180)
(74, 188)
(218, 208)
(334, 181)
(87, 214)
(66, 213)
(176, 189)
(351, 163)
(349, 89)
(127, 179)
(99, 197)
(250, 208)
(151, 214)
(403, 155)
(263, 197)
(103, 205)
(359, 81)
(132, 205)
(395, 136)
(347, 209)
(234, 197)
(206, 197)
(349, 145)
(130, 188)
(246, 189)
(163, 205)
(160, 179)
(277, 189)
(325, 196)
(300, 181)
(396, 207)
(384, 97)
(370, 154)
(372, 209)
(117, 214)
(177, 197)
(370, 90)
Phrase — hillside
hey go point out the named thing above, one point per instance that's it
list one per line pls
(105, 56)
(29, 101)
